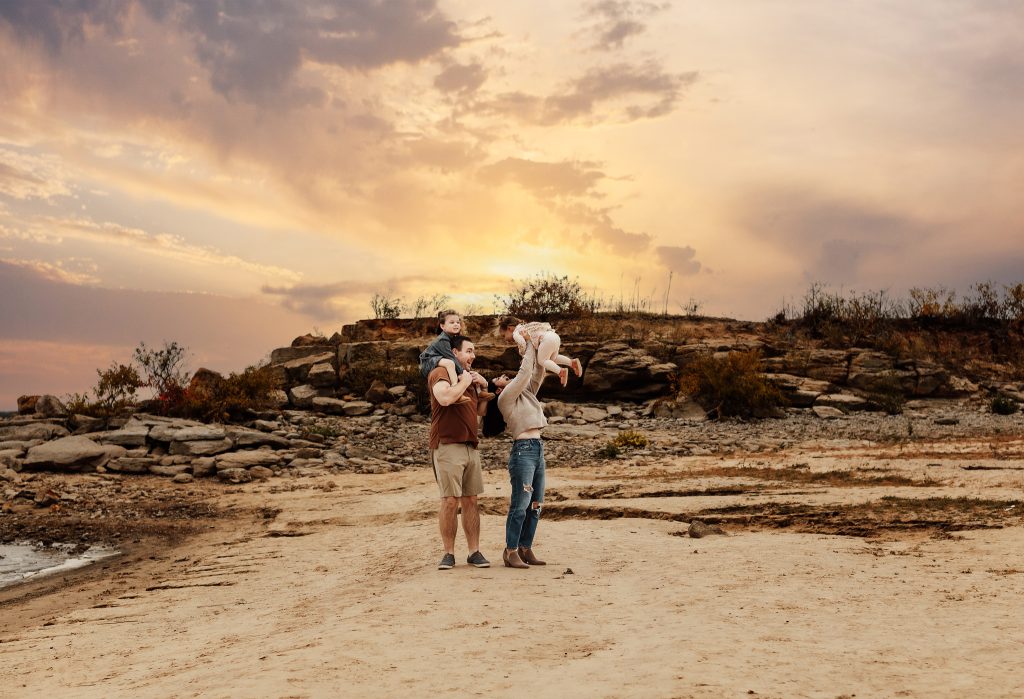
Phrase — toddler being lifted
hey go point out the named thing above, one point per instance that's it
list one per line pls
(545, 340)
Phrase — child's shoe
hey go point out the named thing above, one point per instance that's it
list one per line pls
(563, 376)
(577, 367)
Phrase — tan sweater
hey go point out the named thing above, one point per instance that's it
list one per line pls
(518, 401)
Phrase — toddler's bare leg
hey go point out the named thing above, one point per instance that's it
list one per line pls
(548, 352)
(449, 366)
(453, 376)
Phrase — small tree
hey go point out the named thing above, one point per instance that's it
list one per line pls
(164, 368)
(116, 388)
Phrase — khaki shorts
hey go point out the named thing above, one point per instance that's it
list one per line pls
(457, 470)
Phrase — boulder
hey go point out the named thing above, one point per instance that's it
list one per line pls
(309, 340)
(825, 365)
(364, 354)
(354, 408)
(593, 414)
(298, 369)
(130, 464)
(303, 396)
(202, 447)
(50, 406)
(234, 475)
(322, 375)
(251, 439)
(131, 435)
(171, 470)
(40, 430)
(203, 466)
(247, 459)
(397, 391)
(378, 393)
(27, 404)
(261, 472)
(278, 398)
(842, 401)
(571, 432)
(186, 432)
(619, 371)
(682, 408)
(827, 413)
(556, 408)
(71, 453)
(331, 406)
(288, 354)
(182, 478)
(84, 424)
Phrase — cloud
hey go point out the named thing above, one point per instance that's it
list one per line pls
(324, 302)
(618, 20)
(598, 226)
(624, 91)
(26, 175)
(461, 78)
(68, 271)
(545, 179)
(54, 24)
(253, 51)
(37, 306)
(834, 239)
(680, 260)
(164, 244)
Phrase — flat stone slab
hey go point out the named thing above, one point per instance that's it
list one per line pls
(190, 433)
(205, 447)
(247, 459)
(131, 435)
(66, 452)
(44, 431)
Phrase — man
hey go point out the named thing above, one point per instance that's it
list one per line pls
(453, 452)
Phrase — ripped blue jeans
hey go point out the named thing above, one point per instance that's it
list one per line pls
(526, 474)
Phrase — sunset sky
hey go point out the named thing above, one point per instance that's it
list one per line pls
(233, 173)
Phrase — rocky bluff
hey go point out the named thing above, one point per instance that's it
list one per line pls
(625, 359)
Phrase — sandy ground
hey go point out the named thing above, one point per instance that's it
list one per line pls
(338, 594)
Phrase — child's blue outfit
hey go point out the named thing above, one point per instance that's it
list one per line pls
(437, 350)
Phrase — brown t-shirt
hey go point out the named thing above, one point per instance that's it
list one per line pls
(455, 423)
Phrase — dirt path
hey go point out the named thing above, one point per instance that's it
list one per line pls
(338, 596)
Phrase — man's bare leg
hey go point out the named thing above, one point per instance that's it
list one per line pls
(448, 522)
(470, 522)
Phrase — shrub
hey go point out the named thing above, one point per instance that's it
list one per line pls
(630, 439)
(546, 295)
(733, 386)
(225, 398)
(623, 441)
(386, 306)
(80, 404)
(891, 402)
(1001, 405)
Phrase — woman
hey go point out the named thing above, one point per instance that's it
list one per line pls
(524, 415)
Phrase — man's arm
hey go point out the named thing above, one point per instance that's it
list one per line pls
(447, 393)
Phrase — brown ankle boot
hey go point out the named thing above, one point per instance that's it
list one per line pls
(527, 555)
(512, 560)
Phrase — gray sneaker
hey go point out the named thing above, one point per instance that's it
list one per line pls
(447, 562)
(478, 560)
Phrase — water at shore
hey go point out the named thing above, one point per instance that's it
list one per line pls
(22, 561)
